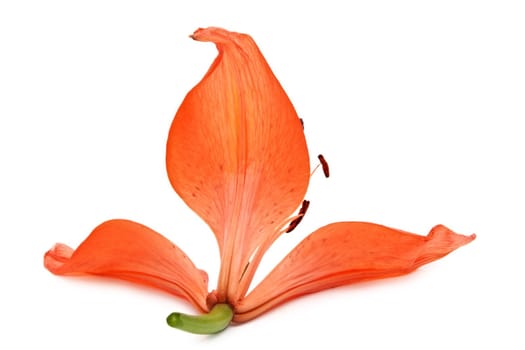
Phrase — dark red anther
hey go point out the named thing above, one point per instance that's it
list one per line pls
(302, 123)
(302, 211)
(324, 164)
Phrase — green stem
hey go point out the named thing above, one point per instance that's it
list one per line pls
(214, 321)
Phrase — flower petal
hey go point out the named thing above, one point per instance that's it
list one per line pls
(236, 152)
(130, 251)
(344, 253)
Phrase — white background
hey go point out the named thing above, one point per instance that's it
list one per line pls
(417, 106)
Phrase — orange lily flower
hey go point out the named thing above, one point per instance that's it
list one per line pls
(237, 156)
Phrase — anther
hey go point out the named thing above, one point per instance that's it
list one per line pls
(324, 164)
(296, 221)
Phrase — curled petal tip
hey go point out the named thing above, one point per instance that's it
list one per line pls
(57, 256)
(443, 235)
(197, 34)
(215, 34)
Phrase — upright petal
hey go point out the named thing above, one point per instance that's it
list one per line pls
(344, 253)
(236, 153)
(130, 251)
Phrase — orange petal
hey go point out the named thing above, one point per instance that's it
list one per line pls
(130, 251)
(344, 253)
(236, 153)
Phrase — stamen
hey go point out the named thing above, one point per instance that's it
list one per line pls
(244, 271)
(302, 212)
(324, 164)
(302, 122)
(248, 263)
